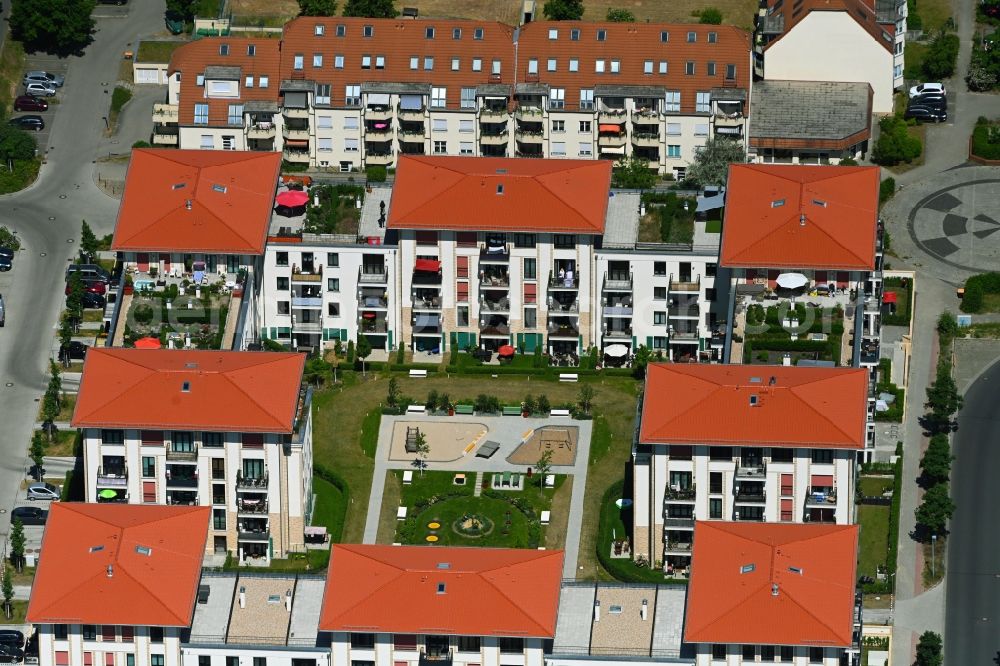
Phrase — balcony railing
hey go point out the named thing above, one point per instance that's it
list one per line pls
(502, 305)
(177, 481)
(563, 331)
(372, 275)
(494, 330)
(556, 306)
(121, 497)
(685, 283)
(750, 495)
(529, 136)
(820, 496)
(263, 131)
(252, 507)
(645, 139)
(164, 136)
(182, 455)
(296, 133)
(683, 523)
(365, 301)
(309, 277)
(410, 114)
(487, 114)
(254, 536)
(494, 253)
(307, 302)
(611, 115)
(377, 327)
(378, 113)
(750, 469)
(166, 113)
(678, 546)
(379, 158)
(531, 113)
(251, 482)
(293, 112)
(617, 282)
(564, 282)
(618, 334)
(296, 155)
(182, 498)
(492, 280)
(112, 477)
(679, 494)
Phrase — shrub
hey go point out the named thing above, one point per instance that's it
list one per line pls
(544, 407)
(400, 351)
(848, 161)
(886, 189)
(142, 144)
(976, 288)
(432, 400)
(986, 141)
(620, 15)
(710, 16)
(9, 240)
(376, 174)
(895, 144)
(941, 57)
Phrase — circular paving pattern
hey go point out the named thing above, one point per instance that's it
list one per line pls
(960, 225)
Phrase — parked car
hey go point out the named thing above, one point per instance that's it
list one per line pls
(174, 22)
(11, 637)
(94, 287)
(29, 515)
(45, 77)
(91, 300)
(28, 123)
(40, 491)
(30, 103)
(75, 349)
(89, 272)
(927, 87)
(6, 264)
(926, 114)
(10, 654)
(39, 89)
(6, 253)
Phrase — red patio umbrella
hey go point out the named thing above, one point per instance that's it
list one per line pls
(368, 315)
(292, 198)
(148, 343)
(506, 350)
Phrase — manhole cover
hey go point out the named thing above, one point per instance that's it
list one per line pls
(9, 384)
(62, 196)
(51, 217)
(68, 240)
(42, 254)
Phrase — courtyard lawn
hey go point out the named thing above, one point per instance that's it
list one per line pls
(330, 507)
(874, 486)
(65, 410)
(873, 552)
(615, 523)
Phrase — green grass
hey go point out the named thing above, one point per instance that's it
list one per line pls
(11, 66)
(873, 552)
(913, 54)
(616, 523)
(874, 486)
(430, 484)
(25, 172)
(19, 608)
(935, 13)
(311, 560)
(156, 51)
(65, 411)
(330, 507)
(65, 443)
(713, 227)
(369, 432)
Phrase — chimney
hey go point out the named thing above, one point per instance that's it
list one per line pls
(111, 571)
(597, 610)
(243, 597)
(774, 589)
(644, 609)
(786, 360)
(187, 204)
(802, 219)
(288, 600)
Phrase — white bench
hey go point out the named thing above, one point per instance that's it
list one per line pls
(401, 513)
(559, 412)
(416, 409)
(407, 477)
(545, 517)
(569, 377)
(418, 374)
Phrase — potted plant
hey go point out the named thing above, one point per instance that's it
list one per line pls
(129, 284)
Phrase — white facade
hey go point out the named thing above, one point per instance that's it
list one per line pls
(833, 46)
(75, 645)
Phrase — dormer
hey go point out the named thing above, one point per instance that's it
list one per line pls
(222, 82)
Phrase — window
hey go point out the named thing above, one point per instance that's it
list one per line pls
(602, 35)
(749, 653)
(224, 49)
(703, 102)
(439, 124)
(477, 64)
(660, 318)
(324, 145)
(248, 82)
(815, 655)
(715, 482)
(218, 468)
(333, 284)
(351, 123)
(524, 241)
(586, 149)
(280, 258)
(674, 151)
(251, 50)
(664, 36)
(659, 293)
(368, 31)
(689, 68)
(711, 68)
(557, 98)
(201, 114)
(333, 309)
(366, 62)
(781, 455)
(456, 64)
(730, 72)
(156, 636)
(463, 315)
(672, 100)
(218, 519)
(822, 456)
(715, 507)
(218, 493)
(718, 651)
(352, 95)
(148, 466)
(156, 659)
(574, 34)
(297, 63)
(324, 122)
(466, 148)
(429, 32)
(332, 259)
(663, 67)
(584, 127)
(350, 145)
(495, 67)
(428, 63)
(616, 66)
(599, 66)
(553, 33)
(468, 643)
(229, 142)
(713, 37)
(558, 125)
(468, 98)
(550, 65)
(341, 30)
(647, 67)
(112, 436)
(564, 241)
(199, 80)
(319, 29)
(232, 661)
(701, 129)
(767, 653)
(724, 453)
(439, 98)
(530, 268)
(317, 60)
(786, 652)
(235, 114)
(440, 147)
(587, 99)
(414, 62)
(60, 633)
(363, 641)
(260, 661)
(532, 65)
(530, 318)
(510, 645)
(379, 62)
(456, 33)
(262, 81)
(282, 284)
(692, 37)
(558, 149)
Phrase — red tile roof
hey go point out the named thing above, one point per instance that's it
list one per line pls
(796, 216)
(772, 584)
(862, 11)
(192, 59)
(227, 391)
(714, 404)
(633, 44)
(563, 196)
(429, 589)
(231, 196)
(95, 568)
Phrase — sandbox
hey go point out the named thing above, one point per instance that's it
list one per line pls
(448, 440)
(560, 440)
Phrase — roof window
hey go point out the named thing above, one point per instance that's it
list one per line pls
(191, 365)
(500, 188)
(96, 549)
(602, 35)
(574, 34)
(444, 565)
(456, 33)
(795, 570)
(186, 387)
(251, 50)
(219, 188)
(368, 31)
(224, 49)
(747, 568)
(429, 32)
(442, 588)
(777, 203)
(615, 609)
(553, 33)
(341, 30)
(692, 37)
(179, 186)
(144, 550)
(754, 401)
(319, 29)
(478, 33)
(664, 36)
(819, 202)
(755, 380)
(274, 598)
(713, 37)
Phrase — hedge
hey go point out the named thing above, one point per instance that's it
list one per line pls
(902, 315)
(976, 287)
(986, 141)
(892, 552)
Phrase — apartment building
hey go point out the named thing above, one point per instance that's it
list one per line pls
(743, 443)
(347, 93)
(227, 430)
(833, 40)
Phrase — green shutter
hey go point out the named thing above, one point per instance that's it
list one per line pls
(342, 333)
(579, 346)
(649, 342)
(633, 344)
(274, 333)
(389, 338)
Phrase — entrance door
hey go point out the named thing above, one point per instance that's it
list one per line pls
(232, 263)
(142, 259)
(219, 545)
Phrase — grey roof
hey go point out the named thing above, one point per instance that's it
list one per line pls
(773, 24)
(532, 89)
(222, 72)
(668, 623)
(621, 223)
(628, 91)
(576, 612)
(298, 84)
(212, 618)
(398, 88)
(730, 94)
(260, 105)
(808, 109)
(306, 608)
(493, 90)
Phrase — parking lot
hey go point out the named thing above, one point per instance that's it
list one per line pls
(40, 61)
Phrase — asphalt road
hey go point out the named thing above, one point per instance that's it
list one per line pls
(972, 630)
(47, 218)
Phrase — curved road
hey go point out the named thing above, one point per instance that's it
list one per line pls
(972, 631)
(47, 218)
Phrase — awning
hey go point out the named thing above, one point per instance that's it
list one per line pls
(822, 480)
(792, 280)
(298, 143)
(889, 297)
(427, 265)
(711, 203)
(410, 102)
(378, 98)
(723, 129)
(609, 128)
(296, 100)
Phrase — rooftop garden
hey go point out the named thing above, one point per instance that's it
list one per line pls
(668, 218)
(179, 312)
(337, 212)
(156, 51)
(803, 331)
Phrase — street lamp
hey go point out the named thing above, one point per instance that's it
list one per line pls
(933, 557)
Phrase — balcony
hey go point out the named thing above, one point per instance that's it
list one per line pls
(368, 301)
(165, 136)
(494, 138)
(556, 306)
(412, 136)
(679, 523)
(307, 326)
(501, 306)
(378, 134)
(116, 496)
(295, 133)
(618, 333)
(491, 253)
(426, 277)
(611, 139)
(298, 156)
(112, 477)
(529, 113)
(679, 547)
(750, 494)
(311, 302)
(493, 115)
(530, 136)
(372, 274)
(384, 159)
(181, 481)
(373, 327)
(646, 117)
(565, 282)
(414, 115)
(686, 310)
(494, 330)
(747, 469)
(728, 119)
(563, 331)
(166, 113)
(616, 310)
(262, 537)
(676, 495)
(821, 497)
(251, 482)
(182, 498)
(529, 153)
(617, 282)
(649, 139)
(611, 116)
(685, 284)
(263, 131)
(290, 112)
(251, 507)
(307, 277)
(442, 658)
(430, 302)
(494, 280)
(379, 113)
(182, 455)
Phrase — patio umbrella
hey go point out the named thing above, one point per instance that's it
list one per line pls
(616, 351)
(292, 198)
(792, 280)
(289, 211)
(506, 350)
(148, 343)
(107, 493)
(369, 315)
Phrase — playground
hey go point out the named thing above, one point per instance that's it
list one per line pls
(560, 441)
(447, 440)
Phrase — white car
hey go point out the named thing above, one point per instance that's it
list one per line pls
(924, 88)
(39, 89)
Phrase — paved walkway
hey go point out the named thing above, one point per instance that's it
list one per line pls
(506, 431)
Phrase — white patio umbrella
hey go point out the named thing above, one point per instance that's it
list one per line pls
(792, 280)
(616, 350)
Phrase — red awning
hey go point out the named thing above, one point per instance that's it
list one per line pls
(889, 297)
(427, 265)
(297, 143)
(822, 480)
(609, 128)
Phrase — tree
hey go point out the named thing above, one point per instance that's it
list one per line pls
(9, 240)
(317, 7)
(543, 466)
(364, 349)
(947, 325)
(617, 15)
(8, 590)
(711, 161)
(530, 405)
(563, 10)
(17, 542)
(894, 143)
(935, 465)
(929, 649)
(941, 57)
(586, 397)
(632, 173)
(640, 361)
(943, 399)
(37, 453)
(392, 398)
(16, 144)
(371, 8)
(316, 370)
(422, 449)
(89, 245)
(74, 300)
(182, 9)
(54, 26)
(710, 16)
(543, 404)
(52, 401)
(933, 513)
(65, 337)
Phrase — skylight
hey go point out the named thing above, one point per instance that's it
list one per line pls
(795, 570)
(179, 186)
(777, 203)
(747, 568)
(441, 588)
(220, 188)
(96, 549)
(144, 550)
(820, 203)
(755, 380)
(444, 565)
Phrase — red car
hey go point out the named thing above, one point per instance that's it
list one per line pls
(92, 287)
(30, 103)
